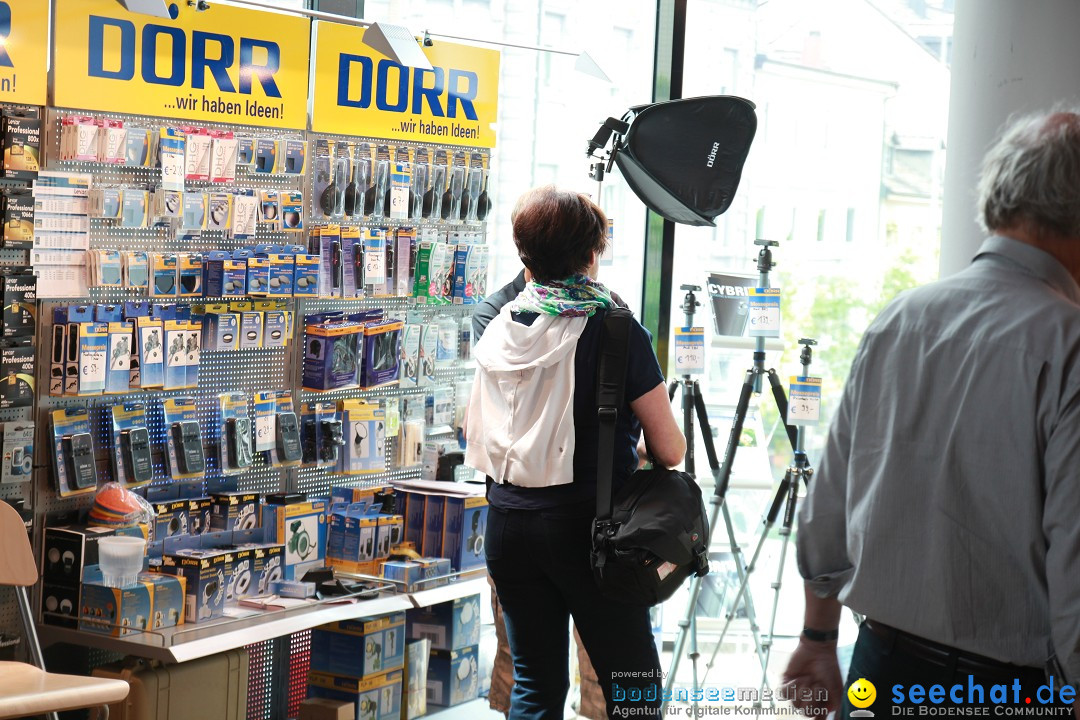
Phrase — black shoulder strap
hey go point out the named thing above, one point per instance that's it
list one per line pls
(610, 390)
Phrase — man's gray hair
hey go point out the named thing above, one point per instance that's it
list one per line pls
(1032, 175)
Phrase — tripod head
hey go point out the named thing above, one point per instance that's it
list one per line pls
(807, 354)
(690, 302)
(764, 260)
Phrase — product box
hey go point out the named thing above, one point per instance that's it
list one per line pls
(434, 516)
(60, 603)
(306, 275)
(375, 698)
(17, 374)
(20, 305)
(258, 276)
(22, 143)
(359, 648)
(388, 534)
(241, 574)
(223, 275)
(450, 625)
(234, 511)
(326, 709)
(301, 528)
(221, 331)
(199, 515)
(453, 676)
(18, 220)
(414, 680)
(408, 573)
(268, 567)
(116, 611)
(463, 537)
(18, 452)
(172, 519)
(167, 598)
(67, 550)
(205, 573)
(275, 328)
(414, 519)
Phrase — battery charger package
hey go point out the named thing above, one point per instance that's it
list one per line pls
(131, 453)
(72, 442)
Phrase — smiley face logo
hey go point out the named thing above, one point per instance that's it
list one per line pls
(862, 693)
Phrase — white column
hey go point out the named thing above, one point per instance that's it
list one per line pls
(1009, 56)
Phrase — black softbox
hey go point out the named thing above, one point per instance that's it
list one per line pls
(683, 158)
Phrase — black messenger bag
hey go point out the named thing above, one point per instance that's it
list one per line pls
(654, 535)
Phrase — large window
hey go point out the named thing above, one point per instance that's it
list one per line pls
(547, 110)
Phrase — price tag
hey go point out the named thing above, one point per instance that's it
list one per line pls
(374, 260)
(804, 400)
(764, 312)
(400, 179)
(690, 351)
(265, 430)
(93, 366)
(172, 170)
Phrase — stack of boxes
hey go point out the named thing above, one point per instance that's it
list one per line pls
(360, 661)
(453, 629)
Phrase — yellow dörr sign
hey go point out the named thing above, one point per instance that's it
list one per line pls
(24, 33)
(359, 91)
(224, 63)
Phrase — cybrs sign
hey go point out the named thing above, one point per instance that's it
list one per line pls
(224, 63)
(24, 33)
(361, 92)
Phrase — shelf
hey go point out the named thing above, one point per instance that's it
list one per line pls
(196, 640)
(188, 642)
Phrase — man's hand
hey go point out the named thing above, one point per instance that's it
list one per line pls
(813, 666)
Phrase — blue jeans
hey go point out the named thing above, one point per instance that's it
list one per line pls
(539, 561)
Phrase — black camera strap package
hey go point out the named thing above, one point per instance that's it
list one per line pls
(78, 452)
(239, 441)
(289, 448)
(135, 451)
(189, 448)
(16, 373)
(20, 304)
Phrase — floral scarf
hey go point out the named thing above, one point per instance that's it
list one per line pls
(576, 296)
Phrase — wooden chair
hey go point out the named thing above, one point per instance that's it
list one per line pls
(26, 689)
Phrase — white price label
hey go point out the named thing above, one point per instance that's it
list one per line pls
(690, 351)
(172, 171)
(374, 266)
(265, 428)
(399, 202)
(764, 312)
(804, 401)
(92, 367)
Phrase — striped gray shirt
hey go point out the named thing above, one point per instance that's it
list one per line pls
(947, 501)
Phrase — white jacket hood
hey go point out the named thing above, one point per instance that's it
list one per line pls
(521, 413)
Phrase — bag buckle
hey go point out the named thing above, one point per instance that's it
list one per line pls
(607, 413)
(701, 563)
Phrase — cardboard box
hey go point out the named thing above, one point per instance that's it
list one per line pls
(326, 709)
(463, 537)
(68, 550)
(172, 519)
(451, 625)
(167, 598)
(206, 575)
(414, 681)
(434, 515)
(234, 511)
(453, 676)
(268, 567)
(375, 698)
(116, 611)
(406, 572)
(301, 528)
(359, 648)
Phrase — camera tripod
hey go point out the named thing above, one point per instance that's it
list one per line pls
(693, 403)
(786, 496)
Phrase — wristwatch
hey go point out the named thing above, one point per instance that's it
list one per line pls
(820, 635)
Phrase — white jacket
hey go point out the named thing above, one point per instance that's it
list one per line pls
(521, 414)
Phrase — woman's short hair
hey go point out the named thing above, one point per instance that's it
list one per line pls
(557, 231)
(1032, 175)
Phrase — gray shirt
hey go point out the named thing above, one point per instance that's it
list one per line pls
(947, 500)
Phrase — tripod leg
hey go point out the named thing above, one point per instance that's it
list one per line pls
(785, 537)
(744, 579)
(781, 406)
(735, 434)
